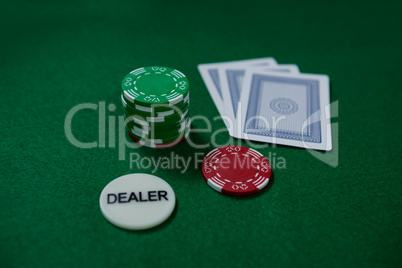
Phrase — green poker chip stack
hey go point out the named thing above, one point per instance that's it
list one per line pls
(156, 103)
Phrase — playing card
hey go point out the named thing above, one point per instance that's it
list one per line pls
(210, 75)
(287, 109)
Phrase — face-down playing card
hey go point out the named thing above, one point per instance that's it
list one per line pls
(287, 109)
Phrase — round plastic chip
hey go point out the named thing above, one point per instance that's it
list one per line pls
(236, 170)
(158, 145)
(137, 201)
(147, 86)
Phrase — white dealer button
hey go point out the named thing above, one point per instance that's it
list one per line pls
(137, 201)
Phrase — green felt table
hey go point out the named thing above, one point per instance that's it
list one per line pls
(55, 55)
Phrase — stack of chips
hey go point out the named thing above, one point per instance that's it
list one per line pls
(156, 102)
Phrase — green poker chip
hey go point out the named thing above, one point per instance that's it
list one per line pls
(160, 145)
(161, 121)
(158, 126)
(160, 107)
(157, 134)
(161, 140)
(148, 86)
(158, 116)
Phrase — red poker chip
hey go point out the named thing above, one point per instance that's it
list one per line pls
(161, 145)
(236, 170)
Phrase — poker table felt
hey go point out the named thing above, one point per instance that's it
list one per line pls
(59, 54)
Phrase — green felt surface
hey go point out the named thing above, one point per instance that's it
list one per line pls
(55, 55)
